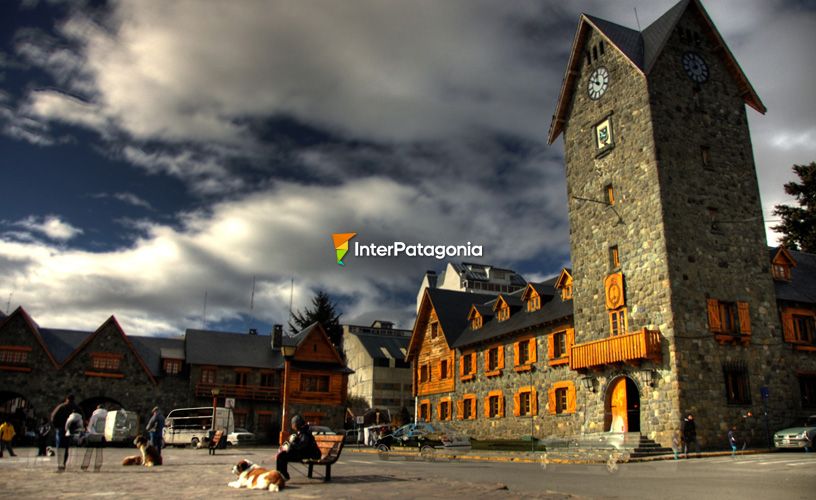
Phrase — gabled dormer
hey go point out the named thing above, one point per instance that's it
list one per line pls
(531, 298)
(564, 283)
(502, 309)
(479, 315)
(781, 264)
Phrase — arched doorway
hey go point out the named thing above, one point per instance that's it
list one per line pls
(17, 410)
(622, 406)
(89, 405)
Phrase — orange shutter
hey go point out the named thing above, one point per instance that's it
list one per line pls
(439, 411)
(532, 349)
(473, 363)
(460, 409)
(516, 354)
(472, 403)
(551, 401)
(534, 401)
(487, 407)
(487, 359)
(570, 341)
(501, 404)
(714, 316)
(517, 402)
(570, 399)
(501, 357)
(744, 318)
(789, 333)
(461, 366)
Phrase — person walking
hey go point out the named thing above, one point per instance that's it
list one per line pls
(689, 430)
(59, 417)
(732, 440)
(6, 435)
(301, 446)
(96, 424)
(43, 431)
(155, 427)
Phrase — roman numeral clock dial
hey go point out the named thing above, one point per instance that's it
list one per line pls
(598, 83)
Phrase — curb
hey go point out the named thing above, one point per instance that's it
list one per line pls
(553, 460)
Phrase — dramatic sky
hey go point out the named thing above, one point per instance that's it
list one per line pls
(152, 151)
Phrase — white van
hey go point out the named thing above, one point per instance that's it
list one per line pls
(121, 426)
(192, 426)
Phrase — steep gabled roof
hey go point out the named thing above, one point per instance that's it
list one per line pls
(34, 329)
(207, 347)
(642, 50)
(62, 343)
(314, 329)
(451, 308)
(782, 254)
(154, 349)
(563, 278)
(802, 286)
(90, 338)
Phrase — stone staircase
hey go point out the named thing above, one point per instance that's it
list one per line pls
(595, 447)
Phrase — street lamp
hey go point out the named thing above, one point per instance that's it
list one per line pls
(215, 392)
(288, 351)
(589, 382)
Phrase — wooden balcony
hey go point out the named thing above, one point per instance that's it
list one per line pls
(251, 392)
(630, 348)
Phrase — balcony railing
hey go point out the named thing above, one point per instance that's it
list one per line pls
(628, 348)
(252, 392)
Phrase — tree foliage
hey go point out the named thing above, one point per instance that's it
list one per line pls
(798, 225)
(322, 311)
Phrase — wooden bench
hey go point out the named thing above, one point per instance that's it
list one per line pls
(330, 448)
(215, 442)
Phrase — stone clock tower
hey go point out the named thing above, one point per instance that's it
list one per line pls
(666, 227)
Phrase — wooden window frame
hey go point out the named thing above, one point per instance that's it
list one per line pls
(609, 191)
(781, 272)
(496, 396)
(531, 346)
(106, 362)
(445, 409)
(614, 257)
(553, 405)
(737, 386)
(518, 399)
(494, 371)
(433, 328)
(467, 366)
(205, 380)
(618, 322)
(425, 410)
(424, 373)
(503, 314)
(177, 365)
(737, 313)
(15, 356)
(444, 369)
(316, 376)
(467, 407)
(476, 322)
(791, 332)
(534, 303)
(552, 342)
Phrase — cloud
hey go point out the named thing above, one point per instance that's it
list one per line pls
(51, 226)
(127, 198)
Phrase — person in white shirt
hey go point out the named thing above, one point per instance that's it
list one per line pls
(96, 425)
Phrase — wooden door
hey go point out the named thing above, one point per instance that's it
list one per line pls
(618, 406)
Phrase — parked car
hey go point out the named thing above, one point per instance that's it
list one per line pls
(240, 436)
(423, 436)
(319, 430)
(802, 435)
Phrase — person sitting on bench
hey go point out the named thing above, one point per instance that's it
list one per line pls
(301, 446)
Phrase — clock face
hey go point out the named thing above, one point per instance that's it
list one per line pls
(696, 68)
(598, 83)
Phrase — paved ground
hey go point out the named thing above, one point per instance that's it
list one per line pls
(194, 474)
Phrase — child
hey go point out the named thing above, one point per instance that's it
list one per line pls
(732, 440)
(676, 444)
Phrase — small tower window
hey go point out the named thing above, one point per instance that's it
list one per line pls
(588, 57)
(601, 46)
(595, 53)
(705, 156)
(609, 192)
(614, 257)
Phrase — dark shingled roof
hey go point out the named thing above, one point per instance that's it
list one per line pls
(656, 34)
(61, 343)
(551, 310)
(802, 286)
(396, 346)
(452, 309)
(205, 347)
(627, 40)
(150, 349)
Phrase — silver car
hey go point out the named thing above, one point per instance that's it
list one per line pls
(801, 436)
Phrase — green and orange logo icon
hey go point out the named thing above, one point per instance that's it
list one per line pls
(341, 245)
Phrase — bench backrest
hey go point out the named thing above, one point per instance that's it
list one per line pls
(330, 445)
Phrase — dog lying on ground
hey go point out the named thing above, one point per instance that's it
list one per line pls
(149, 454)
(255, 477)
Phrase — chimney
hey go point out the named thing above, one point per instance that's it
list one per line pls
(277, 337)
(253, 331)
(431, 277)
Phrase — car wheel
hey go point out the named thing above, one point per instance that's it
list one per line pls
(427, 452)
(194, 442)
(383, 448)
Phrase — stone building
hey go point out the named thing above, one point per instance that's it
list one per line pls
(675, 304)
(40, 366)
(381, 377)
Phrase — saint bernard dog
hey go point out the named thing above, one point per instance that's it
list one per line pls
(255, 477)
(149, 454)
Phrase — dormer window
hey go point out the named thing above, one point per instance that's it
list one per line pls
(476, 322)
(534, 303)
(564, 283)
(503, 313)
(781, 265)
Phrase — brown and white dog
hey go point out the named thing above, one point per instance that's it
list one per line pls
(149, 454)
(255, 477)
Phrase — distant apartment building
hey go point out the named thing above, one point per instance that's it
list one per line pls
(474, 278)
(381, 375)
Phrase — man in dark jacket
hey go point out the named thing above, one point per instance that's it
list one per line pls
(155, 426)
(689, 430)
(59, 416)
(301, 446)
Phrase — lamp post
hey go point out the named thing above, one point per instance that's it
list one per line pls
(215, 392)
(288, 351)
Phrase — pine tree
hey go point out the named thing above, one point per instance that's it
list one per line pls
(798, 225)
(322, 311)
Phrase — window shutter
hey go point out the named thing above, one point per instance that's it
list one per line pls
(534, 401)
(487, 407)
(501, 357)
(439, 411)
(789, 333)
(516, 354)
(714, 316)
(472, 403)
(487, 359)
(551, 346)
(501, 405)
(551, 401)
(473, 363)
(570, 340)
(460, 409)
(517, 402)
(532, 350)
(462, 360)
(571, 399)
(744, 318)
